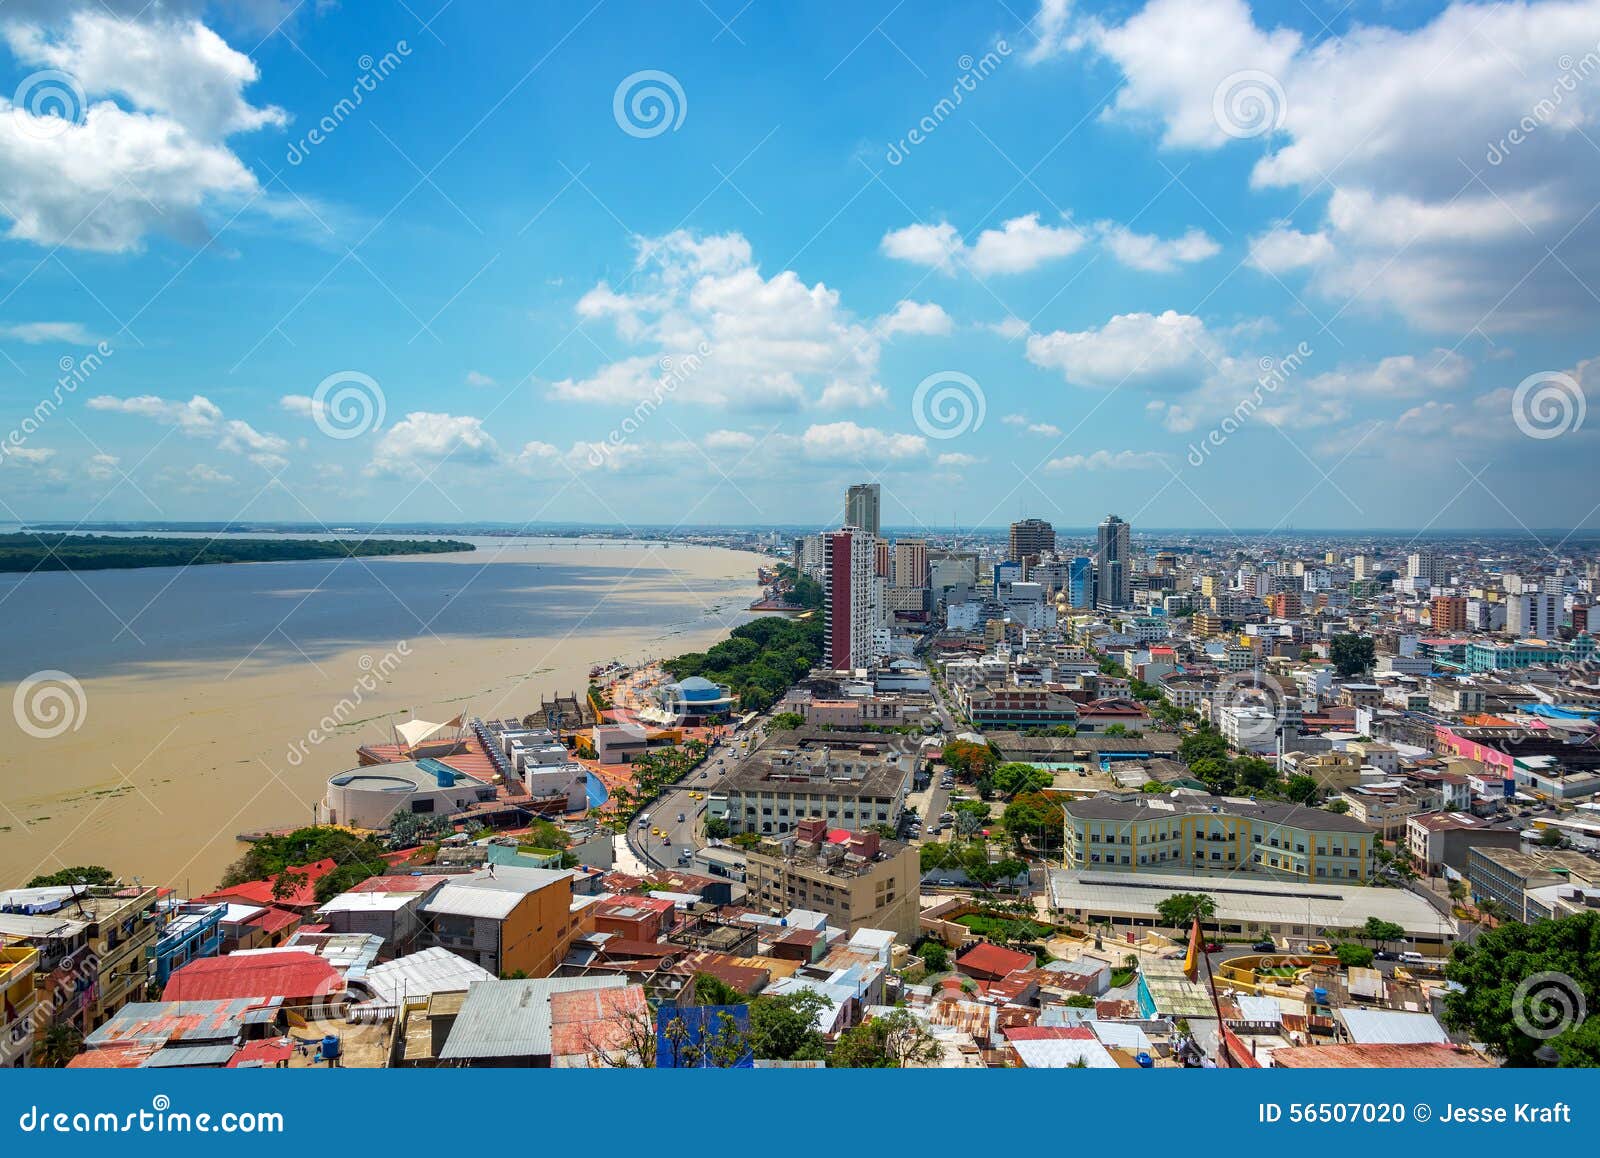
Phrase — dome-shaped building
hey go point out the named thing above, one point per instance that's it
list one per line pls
(695, 699)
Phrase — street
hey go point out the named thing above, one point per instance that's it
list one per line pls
(666, 808)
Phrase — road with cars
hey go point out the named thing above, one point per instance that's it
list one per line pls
(663, 838)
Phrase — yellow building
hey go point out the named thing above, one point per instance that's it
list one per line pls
(93, 944)
(506, 919)
(1193, 832)
(17, 999)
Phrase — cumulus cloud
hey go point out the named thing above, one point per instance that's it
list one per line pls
(199, 417)
(849, 442)
(1018, 246)
(717, 332)
(1160, 351)
(106, 174)
(910, 317)
(422, 440)
(1443, 149)
(1154, 254)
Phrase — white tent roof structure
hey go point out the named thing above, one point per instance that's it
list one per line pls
(413, 732)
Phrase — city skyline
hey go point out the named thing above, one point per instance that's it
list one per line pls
(1006, 264)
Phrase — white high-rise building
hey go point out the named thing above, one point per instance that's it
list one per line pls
(1533, 615)
(1427, 568)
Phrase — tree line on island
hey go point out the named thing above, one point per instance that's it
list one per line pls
(33, 551)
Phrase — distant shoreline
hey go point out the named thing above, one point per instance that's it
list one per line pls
(29, 552)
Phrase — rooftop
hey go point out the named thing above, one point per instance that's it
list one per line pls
(1140, 807)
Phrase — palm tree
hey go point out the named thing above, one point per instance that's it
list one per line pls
(59, 1044)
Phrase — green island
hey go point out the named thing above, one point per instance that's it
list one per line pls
(57, 552)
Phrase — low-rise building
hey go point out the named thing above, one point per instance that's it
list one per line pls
(1195, 832)
(1505, 876)
(505, 919)
(851, 786)
(1440, 840)
(858, 879)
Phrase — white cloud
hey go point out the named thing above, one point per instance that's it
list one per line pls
(1053, 30)
(102, 467)
(931, 245)
(1174, 54)
(1047, 429)
(910, 317)
(1019, 245)
(1157, 351)
(720, 334)
(42, 333)
(848, 442)
(956, 460)
(474, 378)
(32, 455)
(1282, 249)
(105, 175)
(201, 418)
(1155, 254)
(1444, 148)
(423, 440)
(1022, 244)
(1106, 460)
(181, 69)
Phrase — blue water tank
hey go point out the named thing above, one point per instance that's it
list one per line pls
(330, 1047)
(1320, 995)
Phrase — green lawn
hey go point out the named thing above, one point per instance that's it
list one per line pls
(1005, 928)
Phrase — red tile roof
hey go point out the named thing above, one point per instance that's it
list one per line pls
(274, 920)
(400, 883)
(268, 1052)
(1416, 1055)
(260, 892)
(295, 976)
(995, 960)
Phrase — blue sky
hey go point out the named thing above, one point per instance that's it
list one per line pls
(1312, 265)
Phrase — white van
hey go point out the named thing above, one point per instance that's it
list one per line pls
(644, 820)
(1411, 958)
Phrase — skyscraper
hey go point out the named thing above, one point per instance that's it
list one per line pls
(1113, 569)
(861, 504)
(1080, 582)
(1030, 538)
(911, 563)
(849, 609)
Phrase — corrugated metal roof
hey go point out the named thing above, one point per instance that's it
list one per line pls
(419, 974)
(174, 1056)
(460, 900)
(1391, 1027)
(502, 1019)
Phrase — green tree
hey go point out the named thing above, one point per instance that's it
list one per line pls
(1353, 956)
(712, 990)
(1079, 1001)
(1302, 789)
(1381, 932)
(785, 721)
(1034, 816)
(59, 1043)
(717, 828)
(897, 1039)
(783, 1028)
(1519, 977)
(1014, 776)
(1180, 909)
(1352, 654)
(83, 874)
(935, 957)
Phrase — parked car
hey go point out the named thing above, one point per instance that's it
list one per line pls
(1386, 955)
(1265, 947)
(946, 883)
(1213, 947)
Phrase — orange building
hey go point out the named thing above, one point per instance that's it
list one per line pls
(1449, 613)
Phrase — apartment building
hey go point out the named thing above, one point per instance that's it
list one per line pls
(859, 880)
(93, 941)
(1505, 876)
(1194, 832)
(505, 919)
(851, 786)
